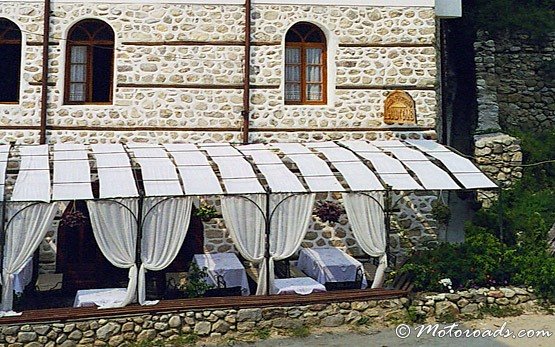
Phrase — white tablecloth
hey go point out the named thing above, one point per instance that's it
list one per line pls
(329, 265)
(297, 285)
(226, 265)
(23, 277)
(99, 297)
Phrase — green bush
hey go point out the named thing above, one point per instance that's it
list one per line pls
(504, 16)
(519, 254)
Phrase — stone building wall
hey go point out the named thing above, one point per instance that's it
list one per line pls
(515, 78)
(227, 325)
(160, 73)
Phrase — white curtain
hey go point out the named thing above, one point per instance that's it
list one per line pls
(28, 227)
(115, 230)
(77, 73)
(314, 73)
(368, 225)
(292, 74)
(288, 228)
(165, 224)
(245, 221)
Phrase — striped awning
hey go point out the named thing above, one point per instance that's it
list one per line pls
(133, 170)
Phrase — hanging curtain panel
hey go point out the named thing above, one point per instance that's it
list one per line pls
(244, 219)
(366, 216)
(72, 173)
(33, 178)
(114, 171)
(291, 215)
(159, 174)
(314, 74)
(4, 153)
(28, 225)
(165, 224)
(78, 73)
(114, 224)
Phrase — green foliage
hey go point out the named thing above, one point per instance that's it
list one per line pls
(504, 16)
(195, 285)
(300, 331)
(518, 254)
(500, 311)
(363, 320)
(205, 211)
(262, 333)
(186, 339)
(416, 316)
(441, 212)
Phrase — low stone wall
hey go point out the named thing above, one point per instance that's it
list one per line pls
(500, 157)
(473, 303)
(232, 323)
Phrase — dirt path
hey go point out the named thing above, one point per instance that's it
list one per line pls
(368, 336)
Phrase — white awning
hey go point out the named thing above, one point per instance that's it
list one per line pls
(315, 171)
(206, 169)
(237, 174)
(279, 178)
(33, 178)
(195, 170)
(464, 171)
(114, 171)
(159, 174)
(72, 173)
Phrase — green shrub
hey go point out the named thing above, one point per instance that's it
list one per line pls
(519, 254)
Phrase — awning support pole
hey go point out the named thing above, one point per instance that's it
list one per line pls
(2, 222)
(387, 216)
(500, 214)
(267, 243)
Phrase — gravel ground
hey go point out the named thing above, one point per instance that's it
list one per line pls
(386, 336)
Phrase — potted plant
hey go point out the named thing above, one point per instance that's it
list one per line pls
(328, 211)
(206, 211)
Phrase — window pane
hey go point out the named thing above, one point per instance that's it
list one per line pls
(314, 92)
(79, 54)
(77, 73)
(313, 74)
(292, 73)
(292, 92)
(292, 55)
(77, 92)
(102, 73)
(314, 56)
(9, 70)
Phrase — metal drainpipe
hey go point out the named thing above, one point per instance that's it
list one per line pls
(44, 84)
(247, 72)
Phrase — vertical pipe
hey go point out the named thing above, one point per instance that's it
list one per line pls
(500, 214)
(387, 216)
(44, 84)
(267, 243)
(247, 72)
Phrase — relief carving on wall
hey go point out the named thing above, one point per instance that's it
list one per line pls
(399, 108)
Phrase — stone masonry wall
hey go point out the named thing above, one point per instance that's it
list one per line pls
(515, 79)
(158, 94)
(232, 323)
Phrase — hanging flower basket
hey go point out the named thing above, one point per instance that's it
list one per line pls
(328, 211)
(73, 218)
(206, 211)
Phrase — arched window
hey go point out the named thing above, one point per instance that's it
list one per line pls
(10, 66)
(89, 63)
(305, 65)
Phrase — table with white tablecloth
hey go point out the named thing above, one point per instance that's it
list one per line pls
(99, 297)
(330, 265)
(297, 285)
(226, 265)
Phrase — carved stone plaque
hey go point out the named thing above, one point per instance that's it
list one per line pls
(399, 108)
